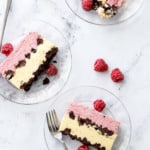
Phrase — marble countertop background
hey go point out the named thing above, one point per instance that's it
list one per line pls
(124, 45)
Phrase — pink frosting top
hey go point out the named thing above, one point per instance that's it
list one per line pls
(25, 46)
(117, 3)
(96, 117)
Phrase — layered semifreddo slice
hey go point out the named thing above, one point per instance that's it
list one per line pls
(107, 8)
(89, 126)
(32, 57)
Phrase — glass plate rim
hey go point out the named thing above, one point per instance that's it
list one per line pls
(109, 24)
(70, 69)
(97, 87)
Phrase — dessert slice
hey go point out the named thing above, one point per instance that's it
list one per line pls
(28, 61)
(105, 8)
(108, 8)
(89, 126)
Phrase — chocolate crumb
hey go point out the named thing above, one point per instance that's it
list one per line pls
(71, 115)
(96, 4)
(21, 63)
(81, 121)
(39, 41)
(27, 55)
(46, 81)
(66, 131)
(33, 50)
(54, 61)
(9, 74)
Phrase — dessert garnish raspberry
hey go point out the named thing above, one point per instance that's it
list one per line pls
(117, 75)
(99, 105)
(83, 147)
(52, 70)
(100, 65)
(7, 49)
(87, 5)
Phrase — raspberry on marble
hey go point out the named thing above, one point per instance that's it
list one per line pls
(117, 75)
(87, 5)
(7, 49)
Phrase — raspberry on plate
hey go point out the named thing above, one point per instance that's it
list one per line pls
(7, 49)
(52, 70)
(117, 75)
(99, 105)
(100, 65)
(87, 5)
(83, 147)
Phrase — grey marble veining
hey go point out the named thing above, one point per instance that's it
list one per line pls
(125, 46)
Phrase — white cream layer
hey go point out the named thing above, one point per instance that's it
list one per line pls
(92, 135)
(25, 73)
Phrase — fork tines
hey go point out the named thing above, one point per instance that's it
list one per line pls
(52, 121)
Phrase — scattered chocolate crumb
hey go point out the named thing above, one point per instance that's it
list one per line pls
(46, 81)
(54, 61)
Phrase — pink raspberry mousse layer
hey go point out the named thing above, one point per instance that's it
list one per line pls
(25, 47)
(100, 119)
(117, 3)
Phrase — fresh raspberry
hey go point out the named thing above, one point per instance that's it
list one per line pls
(100, 65)
(52, 70)
(83, 147)
(99, 105)
(7, 49)
(87, 5)
(117, 75)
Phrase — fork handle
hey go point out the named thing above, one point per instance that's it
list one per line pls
(8, 3)
(64, 144)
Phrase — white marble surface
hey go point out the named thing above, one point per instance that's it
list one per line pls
(124, 46)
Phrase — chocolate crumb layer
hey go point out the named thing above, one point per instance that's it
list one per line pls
(42, 68)
(84, 140)
(46, 81)
(81, 121)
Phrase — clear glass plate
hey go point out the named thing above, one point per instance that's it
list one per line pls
(39, 92)
(124, 13)
(86, 95)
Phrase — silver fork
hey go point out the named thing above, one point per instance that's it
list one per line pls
(8, 3)
(53, 126)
